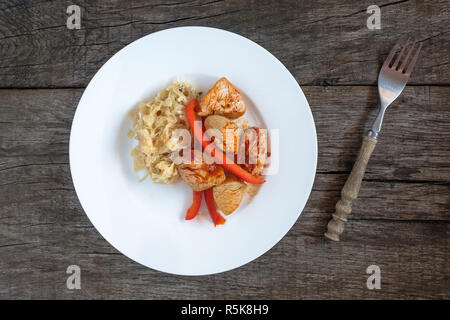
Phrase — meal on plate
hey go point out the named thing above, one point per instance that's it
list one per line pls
(202, 141)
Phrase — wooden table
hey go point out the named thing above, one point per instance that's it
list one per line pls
(400, 221)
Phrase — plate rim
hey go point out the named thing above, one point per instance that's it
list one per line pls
(315, 145)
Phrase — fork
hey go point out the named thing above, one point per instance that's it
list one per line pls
(391, 82)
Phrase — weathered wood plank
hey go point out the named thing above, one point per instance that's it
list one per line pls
(319, 42)
(44, 230)
(414, 141)
(414, 144)
(400, 222)
(413, 257)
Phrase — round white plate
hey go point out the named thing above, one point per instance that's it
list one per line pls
(145, 221)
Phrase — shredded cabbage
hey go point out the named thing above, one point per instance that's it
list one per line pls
(153, 124)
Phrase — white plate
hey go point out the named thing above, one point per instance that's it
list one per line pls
(144, 221)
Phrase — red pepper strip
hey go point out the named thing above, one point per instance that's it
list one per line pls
(215, 216)
(191, 213)
(220, 157)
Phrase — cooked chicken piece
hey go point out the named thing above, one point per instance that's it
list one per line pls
(230, 132)
(200, 175)
(228, 195)
(252, 153)
(222, 99)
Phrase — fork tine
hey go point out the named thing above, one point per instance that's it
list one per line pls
(394, 66)
(413, 61)
(391, 54)
(407, 56)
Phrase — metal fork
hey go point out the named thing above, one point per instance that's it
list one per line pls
(391, 82)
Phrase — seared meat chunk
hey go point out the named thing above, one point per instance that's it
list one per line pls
(200, 175)
(222, 99)
(228, 195)
(230, 132)
(252, 153)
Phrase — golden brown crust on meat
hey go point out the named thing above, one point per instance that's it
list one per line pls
(252, 153)
(230, 136)
(201, 176)
(229, 194)
(222, 99)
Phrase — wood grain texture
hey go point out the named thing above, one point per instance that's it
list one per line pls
(400, 220)
(321, 43)
(350, 190)
(413, 144)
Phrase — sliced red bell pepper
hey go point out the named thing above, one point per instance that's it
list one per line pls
(221, 158)
(215, 216)
(192, 212)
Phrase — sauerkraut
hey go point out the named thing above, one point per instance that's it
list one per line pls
(153, 125)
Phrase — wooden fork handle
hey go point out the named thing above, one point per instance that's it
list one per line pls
(350, 190)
